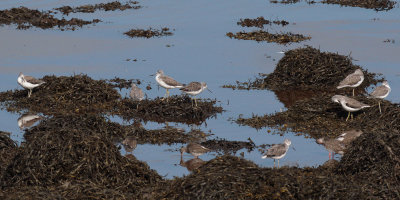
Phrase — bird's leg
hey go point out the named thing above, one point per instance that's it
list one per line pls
(353, 92)
(348, 116)
(329, 155)
(278, 163)
(195, 100)
(30, 93)
(274, 163)
(351, 116)
(379, 103)
(137, 106)
(191, 99)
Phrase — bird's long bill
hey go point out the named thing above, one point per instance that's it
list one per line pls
(209, 90)
(152, 74)
(293, 148)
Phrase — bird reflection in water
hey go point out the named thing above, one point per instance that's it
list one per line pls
(192, 164)
(28, 120)
(129, 144)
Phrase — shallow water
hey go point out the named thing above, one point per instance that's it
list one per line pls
(200, 51)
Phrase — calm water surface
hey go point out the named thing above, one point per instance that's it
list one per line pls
(199, 51)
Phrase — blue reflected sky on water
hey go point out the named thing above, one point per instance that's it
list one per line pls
(200, 51)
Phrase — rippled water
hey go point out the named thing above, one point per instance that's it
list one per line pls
(200, 51)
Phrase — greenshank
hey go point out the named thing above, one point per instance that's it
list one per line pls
(167, 82)
(339, 144)
(381, 92)
(349, 104)
(352, 80)
(194, 88)
(278, 151)
(28, 82)
(195, 149)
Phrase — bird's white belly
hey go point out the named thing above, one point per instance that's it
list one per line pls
(279, 157)
(28, 85)
(163, 84)
(350, 109)
(193, 93)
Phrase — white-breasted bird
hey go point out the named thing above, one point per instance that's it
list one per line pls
(28, 82)
(352, 80)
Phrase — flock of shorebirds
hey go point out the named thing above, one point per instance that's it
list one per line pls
(137, 94)
(354, 80)
(276, 151)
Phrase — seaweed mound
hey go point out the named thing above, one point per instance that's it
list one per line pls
(229, 177)
(374, 153)
(280, 38)
(111, 6)
(57, 153)
(25, 18)
(260, 22)
(168, 135)
(174, 109)
(8, 149)
(378, 5)
(320, 117)
(62, 95)
(310, 68)
(148, 33)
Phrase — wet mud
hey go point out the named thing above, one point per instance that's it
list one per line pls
(280, 38)
(308, 68)
(111, 6)
(26, 18)
(378, 5)
(260, 22)
(148, 33)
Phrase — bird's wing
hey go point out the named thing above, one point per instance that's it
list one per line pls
(276, 150)
(350, 80)
(33, 80)
(170, 81)
(192, 86)
(380, 91)
(354, 103)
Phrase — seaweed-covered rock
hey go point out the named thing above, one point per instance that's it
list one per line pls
(320, 117)
(111, 6)
(175, 109)
(280, 38)
(374, 153)
(378, 5)
(308, 68)
(64, 95)
(148, 33)
(25, 18)
(8, 149)
(77, 148)
(229, 177)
